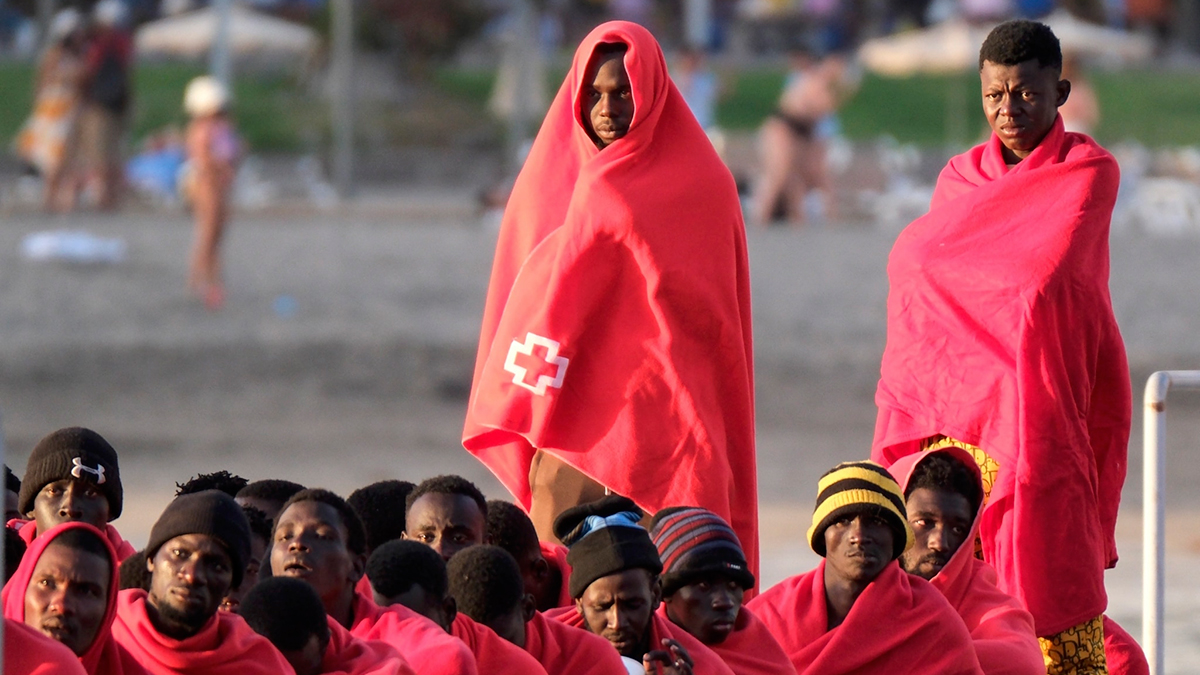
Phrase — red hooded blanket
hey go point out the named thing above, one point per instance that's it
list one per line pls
(348, 655)
(28, 531)
(225, 646)
(565, 650)
(105, 656)
(900, 625)
(750, 649)
(28, 652)
(704, 660)
(426, 647)
(494, 654)
(556, 556)
(1123, 654)
(1001, 334)
(1001, 629)
(616, 335)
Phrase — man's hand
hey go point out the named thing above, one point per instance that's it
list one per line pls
(673, 660)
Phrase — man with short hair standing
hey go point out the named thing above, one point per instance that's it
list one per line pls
(1002, 341)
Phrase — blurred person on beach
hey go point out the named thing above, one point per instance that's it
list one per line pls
(1001, 340)
(1081, 112)
(107, 90)
(213, 151)
(49, 140)
(701, 89)
(794, 140)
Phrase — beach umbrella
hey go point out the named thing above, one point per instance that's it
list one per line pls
(251, 34)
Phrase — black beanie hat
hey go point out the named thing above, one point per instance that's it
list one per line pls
(694, 542)
(73, 452)
(210, 512)
(604, 538)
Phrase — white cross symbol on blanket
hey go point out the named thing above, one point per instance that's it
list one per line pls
(552, 358)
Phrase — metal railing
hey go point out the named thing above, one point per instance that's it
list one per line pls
(1154, 478)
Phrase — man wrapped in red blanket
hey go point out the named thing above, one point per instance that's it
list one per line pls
(858, 613)
(615, 350)
(1002, 340)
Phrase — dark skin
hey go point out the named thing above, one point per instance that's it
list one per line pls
(307, 660)
(190, 574)
(941, 522)
(857, 548)
(67, 596)
(310, 544)
(447, 523)
(11, 511)
(541, 580)
(607, 99)
(707, 608)
(511, 624)
(1021, 103)
(440, 610)
(258, 552)
(267, 506)
(620, 608)
(69, 500)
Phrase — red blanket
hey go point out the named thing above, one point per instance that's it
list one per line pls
(105, 656)
(427, 648)
(225, 646)
(28, 652)
(616, 334)
(900, 625)
(1123, 653)
(705, 661)
(1001, 334)
(1001, 629)
(566, 650)
(750, 649)
(28, 531)
(494, 654)
(348, 655)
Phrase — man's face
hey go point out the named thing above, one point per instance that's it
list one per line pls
(68, 596)
(511, 625)
(706, 608)
(70, 500)
(607, 99)
(619, 608)
(258, 549)
(307, 660)
(11, 499)
(310, 544)
(941, 521)
(447, 523)
(190, 575)
(1021, 103)
(858, 547)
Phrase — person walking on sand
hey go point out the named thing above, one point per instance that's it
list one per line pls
(213, 151)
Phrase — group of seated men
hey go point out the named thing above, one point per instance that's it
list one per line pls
(271, 577)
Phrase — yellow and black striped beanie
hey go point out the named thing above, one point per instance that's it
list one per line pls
(857, 487)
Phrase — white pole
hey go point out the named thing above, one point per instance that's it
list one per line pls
(1154, 479)
(220, 63)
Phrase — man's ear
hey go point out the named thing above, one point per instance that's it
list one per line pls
(149, 563)
(579, 606)
(404, 534)
(528, 607)
(541, 569)
(358, 566)
(450, 607)
(655, 592)
(1064, 91)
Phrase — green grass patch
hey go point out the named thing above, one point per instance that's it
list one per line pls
(1155, 108)
(267, 108)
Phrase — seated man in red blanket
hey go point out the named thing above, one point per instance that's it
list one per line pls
(704, 581)
(614, 580)
(289, 613)
(196, 553)
(944, 494)
(615, 347)
(486, 584)
(1002, 341)
(543, 573)
(72, 476)
(858, 612)
(319, 539)
(66, 588)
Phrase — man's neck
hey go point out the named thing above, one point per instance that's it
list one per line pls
(167, 627)
(840, 595)
(341, 608)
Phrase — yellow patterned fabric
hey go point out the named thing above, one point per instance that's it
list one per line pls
(1078, 650)
(988, 467)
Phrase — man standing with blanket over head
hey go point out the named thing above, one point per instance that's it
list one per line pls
(1002, 341)
(615, 351)
(858, 612)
